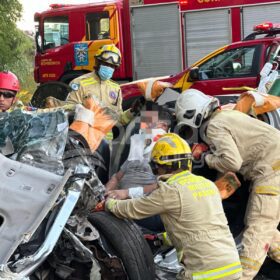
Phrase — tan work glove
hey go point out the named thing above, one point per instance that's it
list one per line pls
(227, 184)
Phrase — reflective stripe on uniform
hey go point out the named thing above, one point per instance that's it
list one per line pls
(176, 177)
(275, 251)
(276, 165)
(89, 81)
(111, 83)
(218, 272)
(250, 263)
(267, 190)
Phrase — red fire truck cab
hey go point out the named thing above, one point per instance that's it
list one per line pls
(69, 35)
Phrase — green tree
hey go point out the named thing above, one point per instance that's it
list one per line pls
(10, 13)
(17, 48)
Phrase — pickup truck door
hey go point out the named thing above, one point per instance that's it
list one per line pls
(235, 67)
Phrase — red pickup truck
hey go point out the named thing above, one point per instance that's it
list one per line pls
(234, 65)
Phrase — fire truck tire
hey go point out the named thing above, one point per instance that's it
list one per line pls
(129, 243)
(58, 90)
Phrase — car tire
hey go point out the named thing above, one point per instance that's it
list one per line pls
(129, 243)
(272, 118)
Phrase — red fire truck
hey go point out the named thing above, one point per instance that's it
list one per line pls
(156, 37)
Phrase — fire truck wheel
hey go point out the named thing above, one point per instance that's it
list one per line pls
(127, 240)
(58, 90)
(71, 75)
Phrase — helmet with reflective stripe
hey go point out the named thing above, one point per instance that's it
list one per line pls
(193, 106)
(9, 81)
(109, 54)
(171, 148)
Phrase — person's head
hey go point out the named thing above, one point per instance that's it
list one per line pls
(107, 59)
(171, 154)
(153, 125)
(193, 107)
(9, 86)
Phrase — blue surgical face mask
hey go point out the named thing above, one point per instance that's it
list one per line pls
(105, 72)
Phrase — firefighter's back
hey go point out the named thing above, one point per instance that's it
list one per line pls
(202, 229)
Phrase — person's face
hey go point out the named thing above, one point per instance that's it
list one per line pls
(7, 98)
(163, 125)
(161, 170)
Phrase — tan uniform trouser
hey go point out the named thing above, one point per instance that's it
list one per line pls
(261, 236)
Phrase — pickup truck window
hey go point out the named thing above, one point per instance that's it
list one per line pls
(97, 26)
(56, 32)
(239, 62)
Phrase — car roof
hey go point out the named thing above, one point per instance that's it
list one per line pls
(248, 42)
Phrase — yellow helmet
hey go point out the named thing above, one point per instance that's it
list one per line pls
(109, 54)
(170, 149)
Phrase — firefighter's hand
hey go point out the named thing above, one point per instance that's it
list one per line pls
(198, 150)
(227, 184)
(109, 204)
(49, 102)
(100, 206)
(137, 105)
(117, 194)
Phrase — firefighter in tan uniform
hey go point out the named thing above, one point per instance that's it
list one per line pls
(240, 143)
(99, 85)
(191, 210)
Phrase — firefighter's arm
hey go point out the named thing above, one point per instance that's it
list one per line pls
(73, 98)
(138, 208)
(76, 96)
(225, 155)
(124, 116)
(135, 192)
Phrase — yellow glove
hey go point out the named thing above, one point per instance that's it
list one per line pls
(109, 204)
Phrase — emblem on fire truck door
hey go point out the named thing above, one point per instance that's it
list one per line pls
(81, 54)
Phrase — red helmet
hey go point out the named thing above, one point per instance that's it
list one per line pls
(9, 81)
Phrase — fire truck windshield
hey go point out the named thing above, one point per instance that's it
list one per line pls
(56, 32)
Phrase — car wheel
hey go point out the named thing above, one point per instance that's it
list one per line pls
(127, 240)
(272, 118)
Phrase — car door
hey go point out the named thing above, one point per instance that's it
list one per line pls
(235, 67)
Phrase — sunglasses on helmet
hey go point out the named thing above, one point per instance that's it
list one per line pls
(7, 94)
(110, 56)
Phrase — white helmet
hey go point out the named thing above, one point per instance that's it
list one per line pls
(193, 106)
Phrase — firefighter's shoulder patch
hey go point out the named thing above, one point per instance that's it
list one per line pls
(75, 86)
